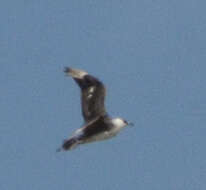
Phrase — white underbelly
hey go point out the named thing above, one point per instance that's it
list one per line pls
(103, 136)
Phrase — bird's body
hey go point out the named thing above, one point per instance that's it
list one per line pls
(98, 125)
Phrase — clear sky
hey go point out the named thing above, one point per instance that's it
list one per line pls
(150, 54)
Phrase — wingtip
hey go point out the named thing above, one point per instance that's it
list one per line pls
(75, 73)
(67, 70)
(61, 148)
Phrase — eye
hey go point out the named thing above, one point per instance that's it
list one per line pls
(125, 122)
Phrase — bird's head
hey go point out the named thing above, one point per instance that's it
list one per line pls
(121, 122)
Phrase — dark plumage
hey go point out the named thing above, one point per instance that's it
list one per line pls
(98, 125)
(92, 95)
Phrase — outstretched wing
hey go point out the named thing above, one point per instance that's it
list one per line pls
(92, 93)
(95, 127)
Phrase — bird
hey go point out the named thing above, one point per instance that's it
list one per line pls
(98, 125)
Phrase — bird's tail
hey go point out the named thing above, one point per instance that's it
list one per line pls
(68, 144)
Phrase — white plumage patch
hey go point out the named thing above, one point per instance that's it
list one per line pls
(78, 132)
(118, 122)
(91, 89)
(77, 73)
(89, 96)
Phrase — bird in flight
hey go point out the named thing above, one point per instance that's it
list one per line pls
(98, 124)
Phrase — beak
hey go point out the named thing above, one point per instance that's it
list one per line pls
(130, 124)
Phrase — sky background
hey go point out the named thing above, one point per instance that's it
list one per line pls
(150, 54)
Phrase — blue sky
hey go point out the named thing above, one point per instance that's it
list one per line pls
(151, 55)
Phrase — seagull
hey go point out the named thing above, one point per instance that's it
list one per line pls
(98, 125)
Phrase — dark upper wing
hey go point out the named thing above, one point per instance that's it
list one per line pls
(92, 93)
(96, 126)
